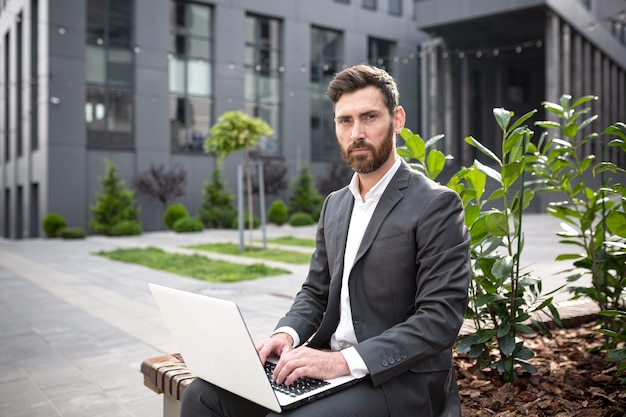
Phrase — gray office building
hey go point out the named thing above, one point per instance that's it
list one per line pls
(140, 83)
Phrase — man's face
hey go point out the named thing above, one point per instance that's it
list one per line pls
(365, 130)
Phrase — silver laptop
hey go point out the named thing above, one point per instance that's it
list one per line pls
(214, 341)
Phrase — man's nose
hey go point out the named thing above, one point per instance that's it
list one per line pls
(357, 131)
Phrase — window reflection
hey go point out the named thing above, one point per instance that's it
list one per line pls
(190, 75)
(109, 100)
(262, 78)
(326, 55)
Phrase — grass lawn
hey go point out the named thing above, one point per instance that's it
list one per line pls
(293, 241)
(194, 266)
(257, 252)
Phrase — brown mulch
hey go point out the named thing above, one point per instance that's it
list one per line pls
(570, 382)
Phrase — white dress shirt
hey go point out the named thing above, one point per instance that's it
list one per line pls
(344, 337)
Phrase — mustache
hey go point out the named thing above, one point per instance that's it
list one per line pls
(360, 144)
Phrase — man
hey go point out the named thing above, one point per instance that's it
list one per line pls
(387, 284)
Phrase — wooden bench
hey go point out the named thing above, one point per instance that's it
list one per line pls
(167, 375)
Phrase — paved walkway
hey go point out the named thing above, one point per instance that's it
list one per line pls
(75, 327)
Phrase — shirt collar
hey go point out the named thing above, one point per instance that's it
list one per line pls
(378, 189)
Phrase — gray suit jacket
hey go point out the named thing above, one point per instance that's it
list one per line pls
(408, 290)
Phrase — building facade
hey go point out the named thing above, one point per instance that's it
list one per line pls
(140, 82)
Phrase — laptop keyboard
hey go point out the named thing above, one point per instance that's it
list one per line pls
(300, 386)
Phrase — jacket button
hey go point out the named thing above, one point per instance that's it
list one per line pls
(384, 363)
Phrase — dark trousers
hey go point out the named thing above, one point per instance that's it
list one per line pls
(202, 399)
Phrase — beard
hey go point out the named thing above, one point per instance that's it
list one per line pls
(363, 164)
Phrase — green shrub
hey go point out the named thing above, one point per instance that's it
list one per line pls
(304, 196)
(72, 233)
(256, 222)
(52, 224)
(114, 204)
(278, 212)
(301, 219)
(126, 228)
(173, 213)
(188, 224)
(217, 210)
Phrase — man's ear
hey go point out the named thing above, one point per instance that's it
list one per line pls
(399, 119)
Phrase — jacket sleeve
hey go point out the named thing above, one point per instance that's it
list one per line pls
(310, 303)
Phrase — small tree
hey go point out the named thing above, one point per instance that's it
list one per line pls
(115, 204)
(164, 185)
(233, 131)
(304, 196)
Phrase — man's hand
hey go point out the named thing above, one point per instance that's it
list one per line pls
(275, 345)
(313, 363)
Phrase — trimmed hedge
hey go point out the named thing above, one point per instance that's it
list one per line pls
(72, 233)
(188, 224)
(126, 228)
(278, 212)
(52, 224)
(301, 219)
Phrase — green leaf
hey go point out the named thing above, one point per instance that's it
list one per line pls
(503, 267)
(507, 344)
(511, 172)
(435, 162)
(471, 214)
(478, 181)
(523, 119)
(478, 231)
(586, 162)
(583, 99)
(497, 224)
(564, 100)
(488, 171)
(525, 329)
(416, 147)
(503, 329)
(571, 130)
(554, 108)
(546, 124)
(528, 367)
(475, 143)
(503, 117)
(568, 256)
(431, 142)
(616, 223)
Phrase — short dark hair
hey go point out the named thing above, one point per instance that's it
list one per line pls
(361, 76)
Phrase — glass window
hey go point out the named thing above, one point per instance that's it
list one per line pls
(120, 66)
(199, 77)
(369, 4)
(326, 52)
(381, 53)
(263, 77)
(199, 20)
(109, 104)
(96, 69)
(190, 75)
(395, 7)
(190, 122)
(326, 58)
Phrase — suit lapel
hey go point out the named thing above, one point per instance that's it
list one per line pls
(391, 196)
(339, 233)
